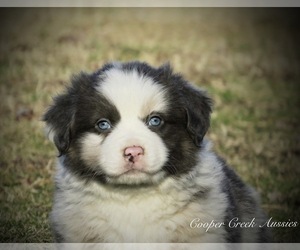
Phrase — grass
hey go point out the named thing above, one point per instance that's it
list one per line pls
(247, 59)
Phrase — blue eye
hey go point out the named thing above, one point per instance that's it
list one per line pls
(104, 125)
(154, 121)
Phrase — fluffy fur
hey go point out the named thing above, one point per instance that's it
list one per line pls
(101, 196)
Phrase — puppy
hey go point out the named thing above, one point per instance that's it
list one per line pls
(134, 166)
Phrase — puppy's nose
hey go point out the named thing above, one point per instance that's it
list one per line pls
(133, 154)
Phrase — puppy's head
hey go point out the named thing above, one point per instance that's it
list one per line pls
(129, 124)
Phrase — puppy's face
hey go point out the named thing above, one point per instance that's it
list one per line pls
(129, 124)
(125, 144)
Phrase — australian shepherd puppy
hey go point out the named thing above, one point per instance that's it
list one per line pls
(134, 166)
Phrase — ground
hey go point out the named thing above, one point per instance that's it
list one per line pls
(247, 59)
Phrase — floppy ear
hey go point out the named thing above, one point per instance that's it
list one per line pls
(198, 108)
(59, 119)
(197, 104)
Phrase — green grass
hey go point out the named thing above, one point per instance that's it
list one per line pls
(247, 59)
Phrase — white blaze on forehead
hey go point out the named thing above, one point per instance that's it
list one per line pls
(132, 93)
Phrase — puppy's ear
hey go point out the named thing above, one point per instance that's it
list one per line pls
(197, 104)
(198, 108)
(59, 119)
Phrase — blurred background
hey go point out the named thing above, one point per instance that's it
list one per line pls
(247, 59)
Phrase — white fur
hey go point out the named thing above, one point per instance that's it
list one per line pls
(145, 96)
(160, 213)
(109, 153)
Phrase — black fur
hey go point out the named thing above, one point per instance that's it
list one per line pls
(240, 201)
(74, 113)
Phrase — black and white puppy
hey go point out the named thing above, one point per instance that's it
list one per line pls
(133, 165)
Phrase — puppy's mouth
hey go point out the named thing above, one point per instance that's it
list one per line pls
(135, 172)
(134, 175)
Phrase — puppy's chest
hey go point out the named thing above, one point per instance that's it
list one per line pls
(140, 219)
